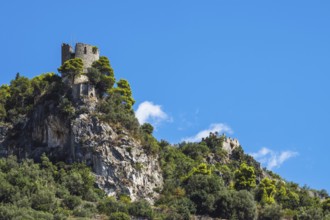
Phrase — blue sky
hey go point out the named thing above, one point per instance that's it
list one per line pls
(257, 70)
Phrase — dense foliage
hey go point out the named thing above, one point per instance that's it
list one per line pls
(201, 175)
(72, 68)
(101, 75)
(199, 178)
(115, 103)
(19, 98)
(46, 191)
(43, 190)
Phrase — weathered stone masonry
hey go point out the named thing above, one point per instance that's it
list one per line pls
(88, 54)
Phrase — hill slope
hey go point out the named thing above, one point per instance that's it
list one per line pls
(53, 117)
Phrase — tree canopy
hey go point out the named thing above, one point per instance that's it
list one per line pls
(72, 68)
(124, 91)
(245, 177)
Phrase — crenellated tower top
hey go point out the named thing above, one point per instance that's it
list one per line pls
(88, 53)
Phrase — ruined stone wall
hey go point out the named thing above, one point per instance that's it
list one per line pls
(230, 144)
(67, 52)
(81, 79)
(83, 90)
(87, 53)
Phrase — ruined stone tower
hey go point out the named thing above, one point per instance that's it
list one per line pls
(81, 87)
(86, 52)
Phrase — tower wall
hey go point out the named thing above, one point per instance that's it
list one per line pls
(67, 52)
(87, 53)
(83, 91)
(81, 87)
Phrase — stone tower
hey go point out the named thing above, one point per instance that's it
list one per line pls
(81, 87)
(88, 53)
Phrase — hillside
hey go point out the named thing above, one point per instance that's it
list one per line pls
(72, 148)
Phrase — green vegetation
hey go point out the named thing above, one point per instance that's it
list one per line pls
(45, 191)
(103, 65)
(115, 103)
(72, 68)
(110, 109)
(94, 49)
(200, 185)
(266, 191)
(199, 178)
(124, 92)
(245, 177)
(147, 128)
(116, 107)
(101, 75)
(20, 97)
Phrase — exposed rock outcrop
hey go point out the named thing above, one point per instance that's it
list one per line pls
(119, 161)
(230, 144)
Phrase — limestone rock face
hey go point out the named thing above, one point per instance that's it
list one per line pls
(118, 161)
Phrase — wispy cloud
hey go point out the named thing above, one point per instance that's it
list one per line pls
(188, 120)
(272, 159)
(219, 127)
(149, 112)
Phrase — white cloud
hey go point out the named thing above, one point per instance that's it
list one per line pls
(272, 159)
(149, 112)
(220, 128)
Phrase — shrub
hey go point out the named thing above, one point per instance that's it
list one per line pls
(150, 144)
(224, 204)
(183, 207)
(78, 180)
(71, 202)
(125, 199)
(114, 112)
(271, 212)
(110, 205)
(119, 216)
(8, 212)
(91, 196)
(66, 107)
(244, 205)
(61, 192)
(94, 75)
(147, 128)
(140, 209)
(81, 212)
(203, 191)
(245, 178)
(309, 213)
(43, 201)
(196, 151)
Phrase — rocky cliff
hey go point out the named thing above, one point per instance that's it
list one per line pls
(118, 160)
